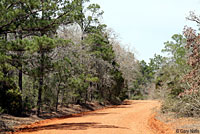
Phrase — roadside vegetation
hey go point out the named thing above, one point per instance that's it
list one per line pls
(55, 53)
(175, 79)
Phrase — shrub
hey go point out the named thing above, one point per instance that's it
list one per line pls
(13, 102)
(187, 105)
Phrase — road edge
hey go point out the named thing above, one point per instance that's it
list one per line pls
(159, 127)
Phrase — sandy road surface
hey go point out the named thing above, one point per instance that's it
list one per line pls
(130, 118)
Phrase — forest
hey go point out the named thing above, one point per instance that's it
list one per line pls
(58, 52)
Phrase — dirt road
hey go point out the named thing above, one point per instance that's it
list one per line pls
(130, 118)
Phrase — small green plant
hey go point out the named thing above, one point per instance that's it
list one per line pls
(1, 110)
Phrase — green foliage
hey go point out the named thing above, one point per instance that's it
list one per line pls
(147, 71)
(146, 76)
(10, 97)
(182, 81)
(118, 90)
(169, 80)
(49, 70)
(100, 46)
(162, 76)
(176, 49)
(92, 79)
(156, 63)
(171, 73)
(13, 102)
(1, 110)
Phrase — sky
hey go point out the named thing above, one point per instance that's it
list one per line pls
(144, 25)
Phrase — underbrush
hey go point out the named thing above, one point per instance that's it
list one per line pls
(185, 106)
(1, 110)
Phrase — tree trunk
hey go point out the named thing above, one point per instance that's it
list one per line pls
(20, 75)
(57, 97)
(41, 82)
(86, 96)
(62, 100)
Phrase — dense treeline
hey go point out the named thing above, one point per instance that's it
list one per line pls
(55, 53)
(58, 52)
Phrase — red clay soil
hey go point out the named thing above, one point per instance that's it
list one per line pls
(134, 117)
(159, 127)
